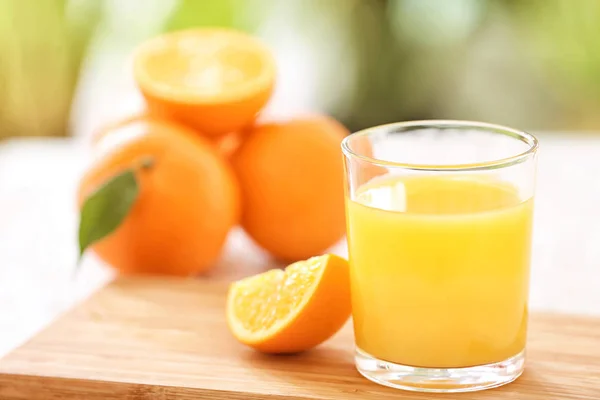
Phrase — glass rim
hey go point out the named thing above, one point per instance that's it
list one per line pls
(523, 136)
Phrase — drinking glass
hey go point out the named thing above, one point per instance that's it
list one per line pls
(439, 221)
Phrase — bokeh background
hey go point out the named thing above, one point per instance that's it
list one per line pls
(531, 64)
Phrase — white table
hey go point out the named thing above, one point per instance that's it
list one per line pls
(38, 233)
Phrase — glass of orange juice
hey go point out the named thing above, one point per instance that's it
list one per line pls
(439, 221)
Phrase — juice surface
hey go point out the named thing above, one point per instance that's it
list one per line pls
(440, 270)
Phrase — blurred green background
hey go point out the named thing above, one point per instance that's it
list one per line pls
(532, 64)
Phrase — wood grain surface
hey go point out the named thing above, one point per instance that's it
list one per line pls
(167, 339)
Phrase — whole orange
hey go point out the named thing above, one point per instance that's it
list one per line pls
(188, 198)
(291, 176)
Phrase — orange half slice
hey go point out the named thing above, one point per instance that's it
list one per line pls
(291, 310)
(215, 80)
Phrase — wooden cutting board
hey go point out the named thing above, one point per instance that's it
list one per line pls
(167, 339)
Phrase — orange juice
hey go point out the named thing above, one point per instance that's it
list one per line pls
(439, 270)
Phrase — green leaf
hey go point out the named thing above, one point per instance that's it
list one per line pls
(105, 209)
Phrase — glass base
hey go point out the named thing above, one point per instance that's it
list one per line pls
(439, 380)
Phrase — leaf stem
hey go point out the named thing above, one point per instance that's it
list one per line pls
(106, 208)
(147, 162)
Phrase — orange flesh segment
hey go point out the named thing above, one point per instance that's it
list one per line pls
(270, 298)
(207, 68)
(206, 63)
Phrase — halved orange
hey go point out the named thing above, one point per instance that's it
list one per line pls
(214, 80)
(291, 310)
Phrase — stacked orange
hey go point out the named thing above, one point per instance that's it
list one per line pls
(213, 80)
(168, 185)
